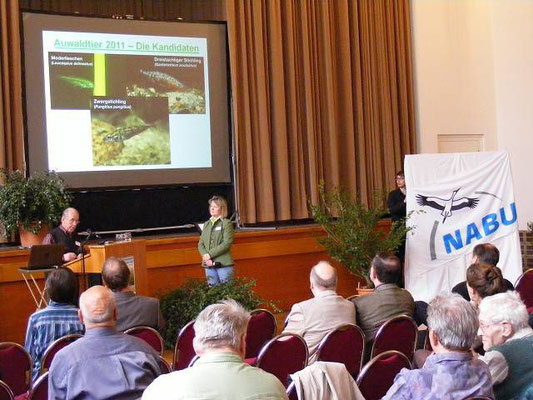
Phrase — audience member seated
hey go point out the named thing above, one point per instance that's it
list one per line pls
(451, 373)
(315, 318)
(387, 300)
(484, 253)
(220, 372)
(484, 280)
(60, 318)
(103, 364)
(508, 342)
(132, 310)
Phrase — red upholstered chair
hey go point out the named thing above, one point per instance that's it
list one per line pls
(149, 335)
(352, 297)
(184, 351)
(398, 333)
(345, 345)
(164, 365)
(261, 328)
(40, 388)
(283, 355)
(54, 347)
(524, 286)
(378, 374)
(5, 392)
(15, 367)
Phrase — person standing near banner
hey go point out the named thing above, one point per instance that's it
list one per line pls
(397, 208)
(396, 199)
(215, 243)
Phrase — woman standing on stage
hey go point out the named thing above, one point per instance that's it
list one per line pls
(215, 243)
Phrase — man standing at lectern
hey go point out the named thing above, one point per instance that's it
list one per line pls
(66, 234)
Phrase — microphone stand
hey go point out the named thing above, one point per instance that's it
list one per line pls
(83, 273)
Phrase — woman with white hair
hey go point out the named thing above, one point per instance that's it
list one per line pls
(508, 342)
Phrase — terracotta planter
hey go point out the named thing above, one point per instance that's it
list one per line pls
(28, 239)
(363, 291)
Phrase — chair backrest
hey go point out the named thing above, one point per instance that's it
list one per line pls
(352, 297)
(378, 374)
(39, 391)
(261, 328)
(398, 333)
(165, 366)
(15, 367)
(524, 286)
(53, 349)
(184, 350)
(345, 345)
(149, 335)
(5, 392)
(283, 355)
(292, 394)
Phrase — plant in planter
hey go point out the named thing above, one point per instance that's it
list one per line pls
(353, 236)
(31, 203)
(185, 303)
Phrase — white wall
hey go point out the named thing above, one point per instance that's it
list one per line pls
(473, 64)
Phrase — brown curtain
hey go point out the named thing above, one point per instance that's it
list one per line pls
(322, 90)
(11, 121)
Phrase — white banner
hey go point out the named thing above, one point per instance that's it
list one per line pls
(465, 199)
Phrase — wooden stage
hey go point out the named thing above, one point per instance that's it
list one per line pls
(278, 260)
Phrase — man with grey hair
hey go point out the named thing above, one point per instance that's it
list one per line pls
(315, 318)
(103, 364)
(508, 342)
(451, 372)
(219, 373)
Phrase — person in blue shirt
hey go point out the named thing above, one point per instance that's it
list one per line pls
(58, 319)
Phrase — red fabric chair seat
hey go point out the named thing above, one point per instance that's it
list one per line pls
(184, 350)
(345, 345)
(378, 374)
(261, 328)
(398, 333)
(15, 367)
(283, 355)
(149, 335)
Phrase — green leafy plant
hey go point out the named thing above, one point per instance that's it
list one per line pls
(185, 303)
(352, 234)
(31, 202)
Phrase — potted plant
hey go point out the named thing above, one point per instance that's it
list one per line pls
(32, 204)
(353, 236)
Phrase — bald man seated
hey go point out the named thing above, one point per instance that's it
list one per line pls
(103, 364)
(132, 310)
(314, 318)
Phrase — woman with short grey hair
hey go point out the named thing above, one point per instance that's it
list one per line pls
(508, 342)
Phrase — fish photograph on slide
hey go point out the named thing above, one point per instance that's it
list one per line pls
(178, 78)
(130, 131)
(71, 80)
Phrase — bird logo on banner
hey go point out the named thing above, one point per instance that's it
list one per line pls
(447, 206)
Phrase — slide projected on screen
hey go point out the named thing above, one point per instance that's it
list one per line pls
(117, 103)
(123, 101)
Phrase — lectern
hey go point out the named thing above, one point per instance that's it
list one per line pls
(134, 249)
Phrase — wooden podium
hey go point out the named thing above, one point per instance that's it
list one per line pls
(99, 253)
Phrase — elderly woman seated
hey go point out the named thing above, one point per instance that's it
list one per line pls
(508, 342)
